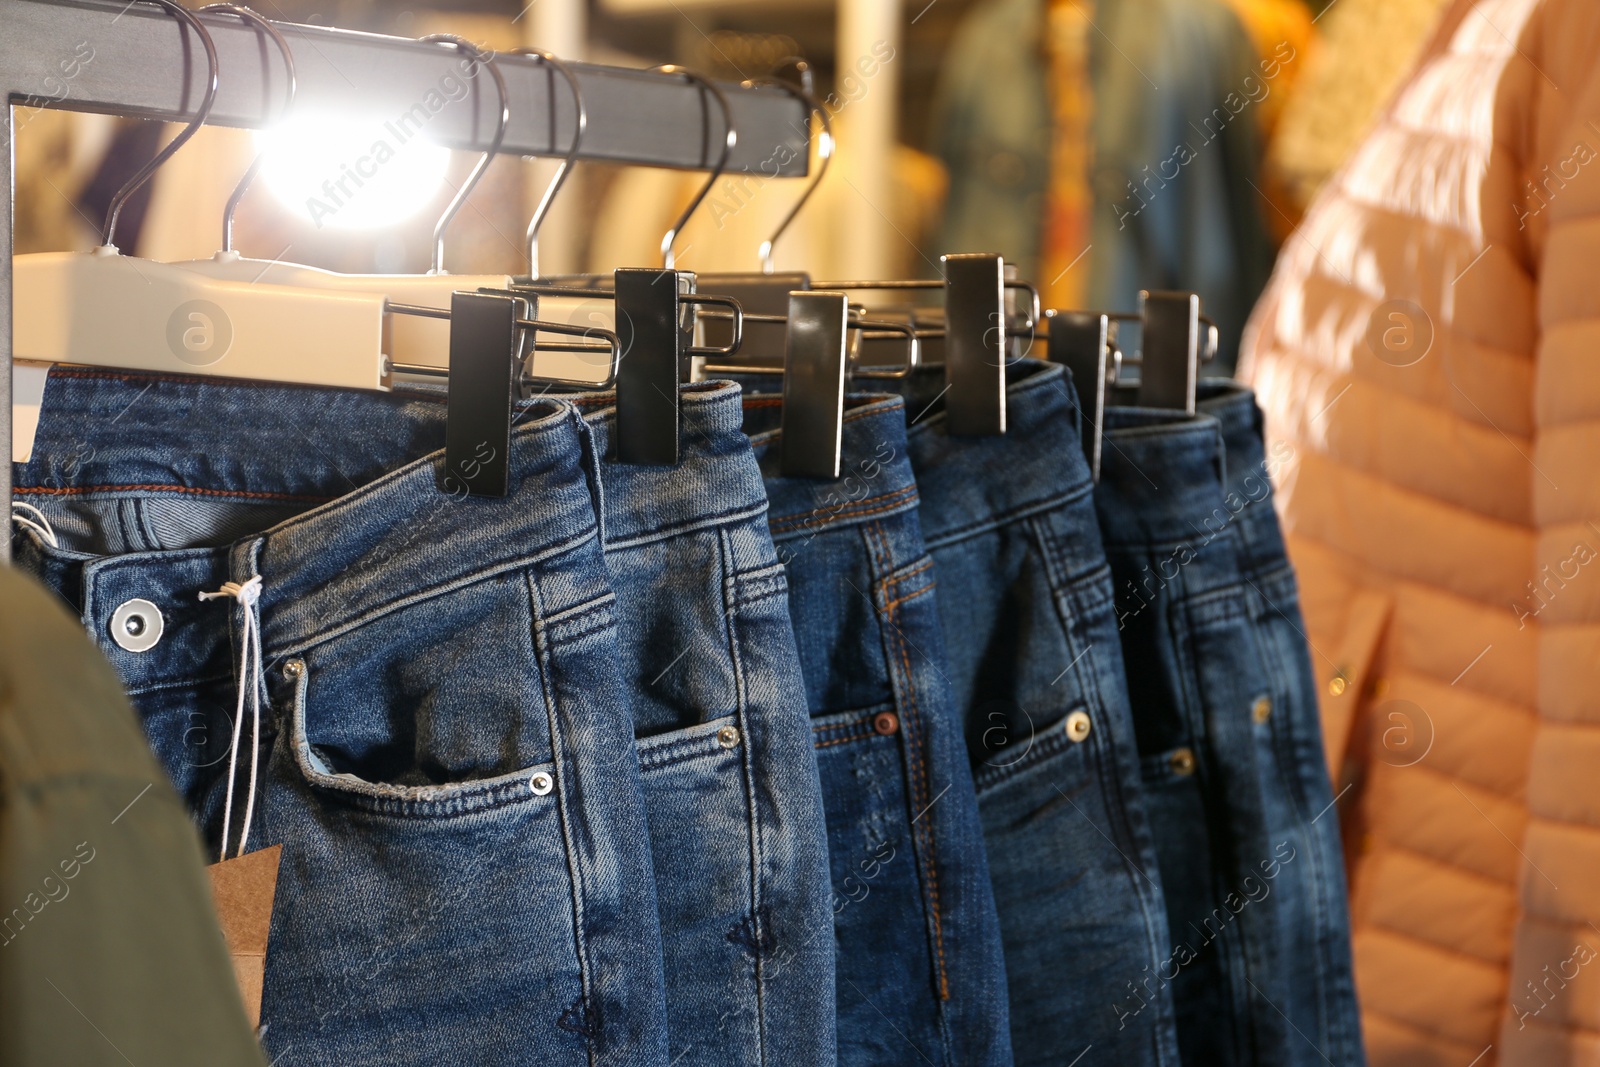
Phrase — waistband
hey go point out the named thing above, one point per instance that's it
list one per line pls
(984, 482)
(716, 481)
(366, 467)
(875, 480)
(1161, 478)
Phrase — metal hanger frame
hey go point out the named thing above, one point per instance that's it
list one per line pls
(146, 64)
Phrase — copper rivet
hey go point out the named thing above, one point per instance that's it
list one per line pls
(1182, 761)
(886, 723)
(1339, 682)
(728, 736)
(1261, 710)
(295, 668)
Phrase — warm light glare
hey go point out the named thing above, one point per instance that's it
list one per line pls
(352, 174)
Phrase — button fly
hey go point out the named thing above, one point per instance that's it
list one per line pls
(136, 625)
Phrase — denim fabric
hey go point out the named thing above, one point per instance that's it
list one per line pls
(1195, 676)
(921, 975)
(446, 752)
(1026, 604)
(724, 741)
(1316, 988)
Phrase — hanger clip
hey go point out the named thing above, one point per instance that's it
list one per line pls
(1081, 341)
(814, 365)
(975, 344)
(1169, 349)
(485, 356)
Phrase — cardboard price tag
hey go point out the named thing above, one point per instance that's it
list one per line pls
(242, 890)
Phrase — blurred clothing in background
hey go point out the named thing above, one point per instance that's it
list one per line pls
(1102, 147)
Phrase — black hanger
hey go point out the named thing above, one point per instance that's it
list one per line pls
(1082, 341)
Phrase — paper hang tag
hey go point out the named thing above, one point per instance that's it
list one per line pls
(242, 890)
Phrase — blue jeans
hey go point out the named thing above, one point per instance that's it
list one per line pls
(1184, 616)
(1316, 988)
(921, 975)
(1037, 675)
(446, 751)
(724, 741)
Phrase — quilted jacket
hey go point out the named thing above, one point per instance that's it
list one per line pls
(1427, 350)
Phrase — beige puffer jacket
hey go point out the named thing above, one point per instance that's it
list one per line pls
(1429, 349)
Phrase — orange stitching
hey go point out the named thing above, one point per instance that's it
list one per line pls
(910, 725)
(908, 574)
(897, 601)
(801, 519)
(844, 740)
(74, 490)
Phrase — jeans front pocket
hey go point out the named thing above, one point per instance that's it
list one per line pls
(431, 904)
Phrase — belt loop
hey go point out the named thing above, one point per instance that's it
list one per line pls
(590, 459)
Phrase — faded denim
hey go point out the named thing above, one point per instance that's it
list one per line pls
(1183, 613)
(1316, 983)
(1037, 675)
(724, 742)
(921, 972)
(446, 751)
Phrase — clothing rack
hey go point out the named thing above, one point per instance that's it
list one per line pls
(147, 64)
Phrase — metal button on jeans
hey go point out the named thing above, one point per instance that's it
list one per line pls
(1078, 725)
(728, 736)
(1261, 710)
(1182, 761)
(136, 625)
(540, 784)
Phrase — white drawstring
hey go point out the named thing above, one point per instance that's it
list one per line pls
(248, 594)
(38, 524)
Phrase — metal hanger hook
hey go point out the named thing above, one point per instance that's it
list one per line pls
(271, 31)
(825, 146)
(668, 256)
(536, 223)
(487, 58)
(109, 231)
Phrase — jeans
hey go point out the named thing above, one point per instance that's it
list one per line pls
(921, 975)
(724, 741)
(1183, 613)
(445, 747)
(1036, 672)
(1315, 988)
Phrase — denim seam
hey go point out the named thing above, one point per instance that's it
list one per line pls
(676, 752)
(1232, 947)
(730, 610)
(1286, 760)
(1006, 518)
(818, 518)
(860, 734)
(576, 621)
(732, 516)
(80, 490)
(541, 639)
(422, 596)
(181, 683)
(1027, 385)
(911, 731)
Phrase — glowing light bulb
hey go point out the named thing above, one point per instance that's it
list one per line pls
(351, 173)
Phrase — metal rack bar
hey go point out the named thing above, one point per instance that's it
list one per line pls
(147, 64)
(144, 63)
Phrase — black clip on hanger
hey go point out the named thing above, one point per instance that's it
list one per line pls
(818, 361)
(1169, 348)
(1081, 341)
(976, 334)
(652, 304)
